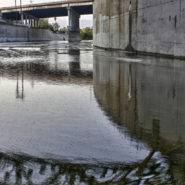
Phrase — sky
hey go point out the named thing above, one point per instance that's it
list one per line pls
(85, 20)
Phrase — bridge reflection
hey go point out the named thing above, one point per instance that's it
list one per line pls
(42, 69)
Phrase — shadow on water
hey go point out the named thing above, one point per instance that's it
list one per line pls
(143, 96)
(23, 169)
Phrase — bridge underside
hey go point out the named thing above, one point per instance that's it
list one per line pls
(50, 12)
(30, 15)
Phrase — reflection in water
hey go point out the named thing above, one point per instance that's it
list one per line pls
(23, 169)
(130, 131)
(20, 85)
(146, 98)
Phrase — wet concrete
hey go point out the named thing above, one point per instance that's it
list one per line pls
(74, 115)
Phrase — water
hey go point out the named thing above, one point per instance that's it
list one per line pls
(74, 115)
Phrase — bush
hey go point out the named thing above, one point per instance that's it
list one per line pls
(63, 30)
(86, 33)
(46, 25)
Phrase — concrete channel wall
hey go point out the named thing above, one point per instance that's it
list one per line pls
(152, 26)
(12, 33)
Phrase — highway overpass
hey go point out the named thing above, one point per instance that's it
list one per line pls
(30, 14)
(48, 10)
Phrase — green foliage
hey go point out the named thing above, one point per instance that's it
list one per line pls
(63, 30)
(44, 23)
(86, 33)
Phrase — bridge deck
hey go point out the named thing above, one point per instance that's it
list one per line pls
(46, 10)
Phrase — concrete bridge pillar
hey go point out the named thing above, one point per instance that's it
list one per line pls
(26, 20)
(22, 17)
(1, 15)
(74, 26)
(34, 23)
(29, 22)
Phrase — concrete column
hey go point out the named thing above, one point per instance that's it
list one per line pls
(34, 23)
(1, 15)
(73, 27)
(26, 21)
(37, 24)
(22, 17)
(31, 21)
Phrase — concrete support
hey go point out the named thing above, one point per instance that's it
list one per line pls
(0, 15)
(74, 26)
(22, 17)
(1, 18)
(26, 20)
(29, 20)
(34, 23)
(37, 23)
(129, 25)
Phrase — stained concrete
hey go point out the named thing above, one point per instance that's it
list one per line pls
(152, 26)
(12, 33)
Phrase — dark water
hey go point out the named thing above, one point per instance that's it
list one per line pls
(73, 115)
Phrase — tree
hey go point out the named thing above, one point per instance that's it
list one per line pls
(44, 23)
(86, 33)
(63, 30)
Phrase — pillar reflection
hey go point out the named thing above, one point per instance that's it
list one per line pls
(146, 99)
(20, 84)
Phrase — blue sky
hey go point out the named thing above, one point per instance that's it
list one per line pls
(63, 21)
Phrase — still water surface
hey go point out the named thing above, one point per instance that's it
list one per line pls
(73, 115)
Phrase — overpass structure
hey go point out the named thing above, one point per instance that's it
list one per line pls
(30, 14)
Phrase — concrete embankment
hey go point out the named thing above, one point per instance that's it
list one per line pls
(12, 33)
(151, 26)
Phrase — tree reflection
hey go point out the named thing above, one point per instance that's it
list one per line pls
(22, 169)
